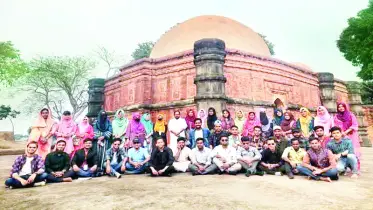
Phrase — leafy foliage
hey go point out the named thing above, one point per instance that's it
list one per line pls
(11, 65)
(356, 42)
(7, 111)
(270, 45)
(54, 80)
(143, 50)
(367, 92)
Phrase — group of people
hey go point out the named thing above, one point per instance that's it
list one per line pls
(320, 147)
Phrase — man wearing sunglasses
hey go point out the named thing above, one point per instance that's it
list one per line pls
(248, 157)
(138, 158)
(115, 159)
(271, 162)
(225, 157)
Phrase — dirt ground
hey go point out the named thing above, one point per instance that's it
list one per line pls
(183, 191)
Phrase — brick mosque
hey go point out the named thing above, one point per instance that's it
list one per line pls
(214, 61)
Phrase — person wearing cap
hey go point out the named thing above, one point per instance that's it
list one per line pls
(57, 164)
(115, 159)
(161, 160)
(293, 157)
(138, 158)
(225, 157)
(271, 162)
(85, 161)
(320, 134)
(280, 140)
(201, 159)
(177, 127)
(182, 156)
(303, 142)
(28, 169)
(214, 139)
(248, 157)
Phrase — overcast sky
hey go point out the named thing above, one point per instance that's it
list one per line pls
(302, 31)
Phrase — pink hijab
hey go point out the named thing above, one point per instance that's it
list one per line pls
(324, 120)
(66, 126)
(250, 124)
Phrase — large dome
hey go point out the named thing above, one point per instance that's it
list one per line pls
(235, 35)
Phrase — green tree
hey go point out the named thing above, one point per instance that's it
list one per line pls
(8, 112)
(60, 83)
(143, 50)
(367, 92)
(11, 65)
(270, 45)
(356, 42)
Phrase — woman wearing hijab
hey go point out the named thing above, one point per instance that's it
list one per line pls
(267, 124)
(211, 118)
(120, 124)
(226, 120)
(278, 117)
(305, 122)
(148, 124)
(42, 131)
(135, 130)
(191, 116)
(103, 131)
(347, 121)
(66, 129)
(324, 119)
(202, 115)
(288, 124)
(160, 130)
(239, 121)
(250, 123)
(85, 130)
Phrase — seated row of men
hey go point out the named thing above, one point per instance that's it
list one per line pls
(317, 163)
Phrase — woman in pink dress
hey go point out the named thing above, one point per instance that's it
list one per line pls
(66, 129)
(347, 121)
(84, 131)
(324, 119)
(251, 122)
(42, 131)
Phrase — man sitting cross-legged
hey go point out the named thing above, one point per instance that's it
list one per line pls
(201, 159)
(28, 169)
(57, 164)
(248, 157)
(138, 158)
(293, 157)
(182, 155)
(115, 158)
(161, 159)
(318, 163)
(85, 161)
(271, 162)
(225, 157)
(343, 152)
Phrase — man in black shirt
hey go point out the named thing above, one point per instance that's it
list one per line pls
(85, 160)
(214, 139)
(271, 161)
(57, 164)
(161, 160)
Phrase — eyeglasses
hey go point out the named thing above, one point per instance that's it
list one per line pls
(224, 140)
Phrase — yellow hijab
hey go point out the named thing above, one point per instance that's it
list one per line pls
(305, 122)
(239, 122)
(160, 125)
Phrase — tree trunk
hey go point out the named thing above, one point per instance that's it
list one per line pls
(11, 121)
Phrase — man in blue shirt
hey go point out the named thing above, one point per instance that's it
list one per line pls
(198, 132)
(138, 158)
(343, 152)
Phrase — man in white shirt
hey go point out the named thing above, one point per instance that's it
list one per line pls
(182, 156)
(201, 159)
(225, 157)
(177, 127)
